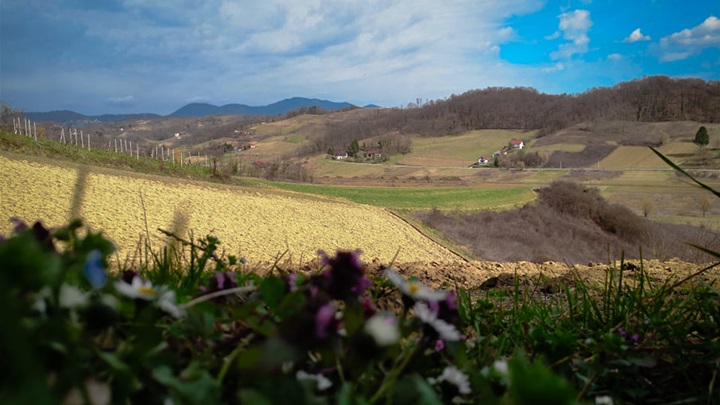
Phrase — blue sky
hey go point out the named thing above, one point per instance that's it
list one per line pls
(123, 56)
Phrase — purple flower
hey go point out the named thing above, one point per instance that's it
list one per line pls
(19, 224)
(219, 281)
(439, 345)
(324, 321)
(345, 278)
(129, 275)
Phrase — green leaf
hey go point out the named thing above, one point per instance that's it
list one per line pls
(272, 290)
(252, 397)
(535, 384)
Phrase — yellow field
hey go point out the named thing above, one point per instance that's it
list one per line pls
(257, 226)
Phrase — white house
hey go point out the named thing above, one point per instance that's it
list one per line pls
(517, 144)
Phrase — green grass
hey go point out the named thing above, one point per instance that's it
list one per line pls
(401, 198)
(466, 147)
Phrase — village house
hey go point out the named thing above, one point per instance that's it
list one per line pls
(340, 156)
(373, 153)
(517, 144)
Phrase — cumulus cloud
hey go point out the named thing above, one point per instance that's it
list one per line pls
(636, 36)
(614, 56)
(690, 41)
(574, 27)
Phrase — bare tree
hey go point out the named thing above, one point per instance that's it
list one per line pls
(704, 204)
(648, 206)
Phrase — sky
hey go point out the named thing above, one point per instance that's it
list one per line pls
(133, 56)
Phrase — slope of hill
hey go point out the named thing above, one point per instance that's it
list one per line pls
(260, 225)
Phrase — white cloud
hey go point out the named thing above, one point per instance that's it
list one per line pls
(574, 27)
(554, 68)
(690, 41)
(124, 100)
(636, 36)
(614, 56)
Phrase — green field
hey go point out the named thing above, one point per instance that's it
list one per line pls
(401, 198)
(467, 147)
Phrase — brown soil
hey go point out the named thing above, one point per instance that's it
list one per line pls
(546, 277)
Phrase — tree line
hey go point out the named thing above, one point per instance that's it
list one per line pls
(651, 99)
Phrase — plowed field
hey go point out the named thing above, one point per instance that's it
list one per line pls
(256, 224)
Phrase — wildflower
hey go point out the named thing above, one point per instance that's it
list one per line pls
(71, 297)
(94, 270)
(220, 281)
(166, 302)
(499, 371)
(323, 382)
(443, 329)
(324, 320)
(128, 275)
(457, 378)
(414, 289)
(136, 289)
(603, 400)
(346, 276)
(383, 328)
(439, 345)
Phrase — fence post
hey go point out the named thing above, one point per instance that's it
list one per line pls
(137, 151)
(35, 130)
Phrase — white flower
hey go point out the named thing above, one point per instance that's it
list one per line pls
(322, 382)
(456, 377)
(166, 302)
(501, 366)
(138, 289)
(414, 289)
(605, 400)
(383, 328)
(445, 330)
(71, 296)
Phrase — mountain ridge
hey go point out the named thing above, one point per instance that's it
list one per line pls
(190, 110)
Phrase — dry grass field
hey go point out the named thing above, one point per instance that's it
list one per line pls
(257, 224)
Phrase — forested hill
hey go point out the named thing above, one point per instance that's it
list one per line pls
(655, 98)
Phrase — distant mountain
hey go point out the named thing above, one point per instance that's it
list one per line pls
(280, 107)
(66, 117)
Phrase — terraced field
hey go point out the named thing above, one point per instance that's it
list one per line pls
(258, 224)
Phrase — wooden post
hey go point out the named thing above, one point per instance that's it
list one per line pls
(35, 130)
(130, 150)
(173, 155)
(88, 141)
(137, 151)
(115, 145)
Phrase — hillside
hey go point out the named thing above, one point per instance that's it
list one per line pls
(260, 225)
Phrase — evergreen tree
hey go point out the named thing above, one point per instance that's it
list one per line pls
(701, 137)
(354, 148)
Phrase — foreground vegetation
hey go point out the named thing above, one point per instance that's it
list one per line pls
(189, 325)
